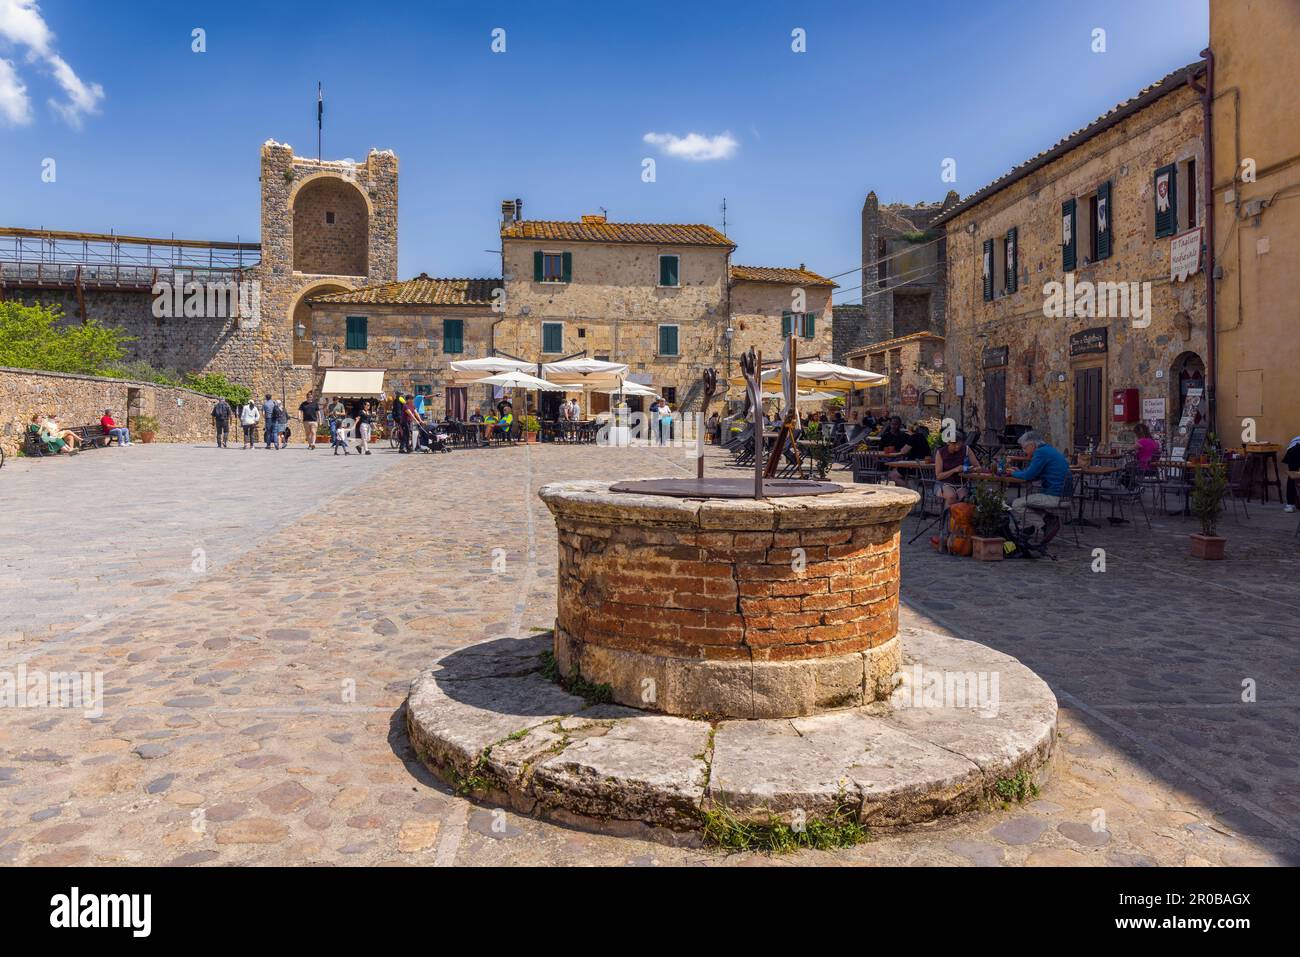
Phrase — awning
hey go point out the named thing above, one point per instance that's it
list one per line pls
(353, 383)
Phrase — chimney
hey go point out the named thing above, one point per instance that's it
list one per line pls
(593, 218)
(508, 209)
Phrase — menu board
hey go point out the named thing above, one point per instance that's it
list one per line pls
(1181, 443)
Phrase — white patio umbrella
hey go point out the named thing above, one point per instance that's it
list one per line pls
(519, 380)
(821, 375)
(493, 365)
(628, 388)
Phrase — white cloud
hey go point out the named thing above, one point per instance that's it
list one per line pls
(694, 146)
(21, 24)
(15, 108)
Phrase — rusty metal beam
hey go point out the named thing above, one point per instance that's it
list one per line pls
(20, 233)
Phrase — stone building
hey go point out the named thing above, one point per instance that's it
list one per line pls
(326, 227)
(652, 295)
(411, 330)
(1060, 288)
(914, 364)
(768, 303)
(1256, 180)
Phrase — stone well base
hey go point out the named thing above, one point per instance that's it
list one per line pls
(750, 689)
(486, 719)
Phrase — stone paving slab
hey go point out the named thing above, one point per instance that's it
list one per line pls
(308, 643)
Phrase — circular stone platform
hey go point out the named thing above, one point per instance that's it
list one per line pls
(962, 717)
(729, 607)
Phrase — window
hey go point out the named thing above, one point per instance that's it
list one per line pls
(453, 336)
(668, 340)
(1187, 207)
(670, 393)
(329, 217)
(669, 271)
(552, 337)
(552, 267)
(802, 324)
(582, 332)
(358, 333)
(1069, 246)
(423, 388)
(986, 270)
(1166, 190)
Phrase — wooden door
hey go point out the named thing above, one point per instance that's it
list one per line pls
(1088, 407)
(995, 399)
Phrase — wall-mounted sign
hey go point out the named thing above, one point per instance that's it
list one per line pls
(1088, 342)
(1185, 254)
(910, 394)
(996, 356)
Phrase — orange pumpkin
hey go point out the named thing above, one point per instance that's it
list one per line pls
(961, 526)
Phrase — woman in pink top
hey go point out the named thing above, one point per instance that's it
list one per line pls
(1147, 447)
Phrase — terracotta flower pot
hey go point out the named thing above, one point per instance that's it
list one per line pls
(531, 437)
(986, 549)
(1208, 547)
(146, 437)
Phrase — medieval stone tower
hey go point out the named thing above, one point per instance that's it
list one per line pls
(326, 226)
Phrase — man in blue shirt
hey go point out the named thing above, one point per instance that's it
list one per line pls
(1052, 471)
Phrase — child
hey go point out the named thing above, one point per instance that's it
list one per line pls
(339, 438)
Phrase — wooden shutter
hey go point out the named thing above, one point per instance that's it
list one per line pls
(810, 325)
(1166, 220)
(552, 337)
(1104, 220)
(787, 324)
(988, 270)
(668, 340)
(1069, 234)
(567, 266)
(1013, 258)
(537, 266)
(356, 337)
(668, 266)
(453, 335)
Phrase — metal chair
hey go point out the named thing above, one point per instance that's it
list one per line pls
(1123, 488)
(1238, 490)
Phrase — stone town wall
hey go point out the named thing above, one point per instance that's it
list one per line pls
(183, 415)
(1039, 386)
(756, 309)
(614, 306)
(407, 341)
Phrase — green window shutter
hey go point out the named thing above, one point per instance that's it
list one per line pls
(453, 335)
(1013, 257)
(668, 340)
(1166, 183)
(668, 270)
(567, 266)
(552, 337)
(810, 325)
(1103, 221)
(1069, 233)
(988, 270)
(787, 320)
(357, 333)
(537, 266)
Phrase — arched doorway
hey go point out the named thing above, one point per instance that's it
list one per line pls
(331, 228)
(301, 326)
(1187, 373)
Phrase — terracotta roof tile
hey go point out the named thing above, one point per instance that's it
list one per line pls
(654, 234)
(422, 291)
(1144, 97)
(795, 277)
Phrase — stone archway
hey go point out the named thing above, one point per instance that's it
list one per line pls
(331, 227)
(301, 314)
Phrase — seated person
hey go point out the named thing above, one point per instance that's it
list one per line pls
(1052, 471)
(893, 437)
(1147, 448)
(113, 430)
(951, 459)
(911, 448)
(71, 438)
(49, 436)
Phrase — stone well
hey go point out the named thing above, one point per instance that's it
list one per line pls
(730, 607)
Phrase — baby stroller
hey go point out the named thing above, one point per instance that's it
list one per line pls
(429, 438)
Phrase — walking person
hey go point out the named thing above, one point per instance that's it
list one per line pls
(363, 423)
(248, 418)
(221, 419)
(279, 419)
(412, 424)
(268, 419)
(665, 423)
(309, 410)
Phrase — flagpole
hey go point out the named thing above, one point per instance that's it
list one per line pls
(320, 118)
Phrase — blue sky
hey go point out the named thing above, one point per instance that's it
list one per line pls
(884, 93)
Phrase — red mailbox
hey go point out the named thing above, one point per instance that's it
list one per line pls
(1124, 403)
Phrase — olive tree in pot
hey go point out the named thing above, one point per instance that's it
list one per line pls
(1207, 504)
(146, 426)
(989, 521)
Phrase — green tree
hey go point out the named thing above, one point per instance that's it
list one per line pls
(31, 337)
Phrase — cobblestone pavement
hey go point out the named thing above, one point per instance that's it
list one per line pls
(252, 704)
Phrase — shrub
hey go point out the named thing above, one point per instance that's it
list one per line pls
(31, 337)
(214, 383)
(990, 515)
(1207, 495)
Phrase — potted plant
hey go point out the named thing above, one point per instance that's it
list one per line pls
(822, 454)
(989, 521)
(532, 428)
(146, 426)
(1207, 503)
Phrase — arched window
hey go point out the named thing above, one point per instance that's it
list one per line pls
(1187, 372)
(331, 229)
